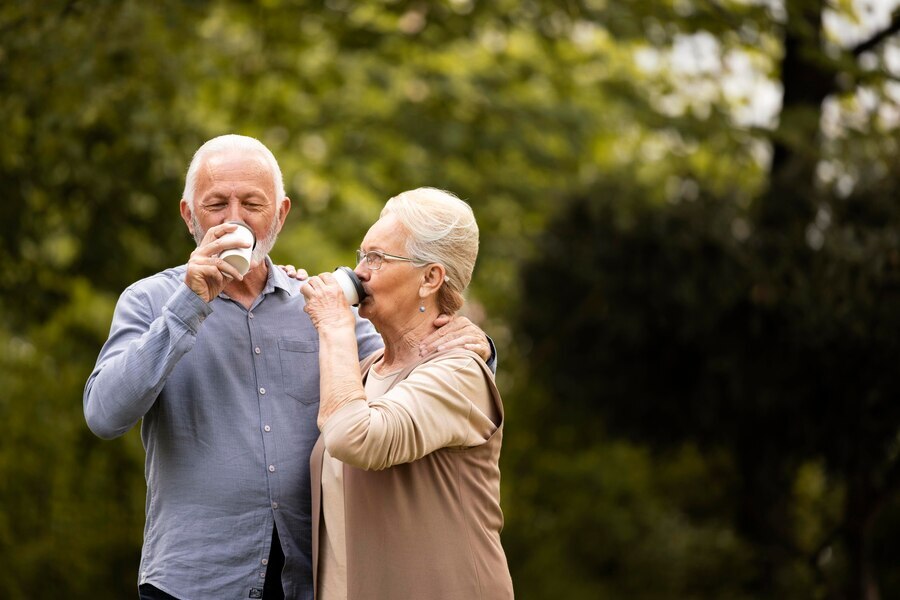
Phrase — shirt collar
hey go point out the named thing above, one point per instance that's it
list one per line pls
(277, 279)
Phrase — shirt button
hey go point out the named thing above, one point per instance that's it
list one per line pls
(257, 350)
(262, 574)
(275, 505)
(267, 428)
(265, 561)
(262, 391)
(250, 315)
(271, 468)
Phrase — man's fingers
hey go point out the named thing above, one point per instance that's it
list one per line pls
(437, 342)
(477, 344)
(208, 266)
(214, 233)
(442, 320)
(294, 273)
(220, 245)
(458, 332)
(214, 244)
(448, 330)
(226, 268)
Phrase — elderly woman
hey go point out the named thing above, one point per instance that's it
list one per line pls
(406, 482)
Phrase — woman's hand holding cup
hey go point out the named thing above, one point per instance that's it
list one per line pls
(326, 302)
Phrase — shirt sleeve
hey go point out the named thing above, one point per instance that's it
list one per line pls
(435, 407)
(135, 361)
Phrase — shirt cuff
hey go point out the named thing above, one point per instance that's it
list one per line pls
(492, 361)
(188, 307)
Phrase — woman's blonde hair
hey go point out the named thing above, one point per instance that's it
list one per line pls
(442, 229)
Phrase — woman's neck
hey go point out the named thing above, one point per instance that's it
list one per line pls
(401, 344)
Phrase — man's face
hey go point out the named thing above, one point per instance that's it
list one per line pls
(238, 187)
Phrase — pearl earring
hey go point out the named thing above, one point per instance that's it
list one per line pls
(422, 308)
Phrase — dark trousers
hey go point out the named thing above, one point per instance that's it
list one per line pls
(272, 589)
(149, 592)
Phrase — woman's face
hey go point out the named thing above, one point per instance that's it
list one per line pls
(393, 290)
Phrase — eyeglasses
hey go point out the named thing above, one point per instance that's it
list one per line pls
(375, 258)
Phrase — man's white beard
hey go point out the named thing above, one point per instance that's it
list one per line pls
(263, 246)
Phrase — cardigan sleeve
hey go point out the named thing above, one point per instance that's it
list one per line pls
(440, 404)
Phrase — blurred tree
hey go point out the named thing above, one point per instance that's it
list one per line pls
(91, 157)
(676, 233)
(104, 103)
(763, 328)
(94, 147)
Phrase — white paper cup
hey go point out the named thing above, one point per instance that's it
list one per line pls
(349, 282)
(239, 258)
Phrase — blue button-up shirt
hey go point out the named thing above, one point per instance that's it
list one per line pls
(229, 399)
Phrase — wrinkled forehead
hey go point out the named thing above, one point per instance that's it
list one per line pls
(235, 172)
(231, 165)
(387, 234)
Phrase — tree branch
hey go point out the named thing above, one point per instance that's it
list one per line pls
(879, 37)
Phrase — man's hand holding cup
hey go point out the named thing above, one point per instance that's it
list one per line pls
(222, 256)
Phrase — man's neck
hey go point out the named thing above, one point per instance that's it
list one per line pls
(247, 291)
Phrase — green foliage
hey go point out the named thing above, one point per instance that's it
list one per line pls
(693, 315)
(92, 157)
(690, 334)
(73, 505)
(759, 327)
(613, 520)
(92, 174)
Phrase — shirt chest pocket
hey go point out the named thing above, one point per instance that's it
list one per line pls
(300, 369)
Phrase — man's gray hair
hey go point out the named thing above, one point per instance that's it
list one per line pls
(442, 229)
(231, 143)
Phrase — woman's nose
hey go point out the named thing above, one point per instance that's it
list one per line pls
(362, 271)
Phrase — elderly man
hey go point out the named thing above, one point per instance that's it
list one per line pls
(223, 369)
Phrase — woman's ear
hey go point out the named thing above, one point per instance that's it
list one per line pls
(433, 278)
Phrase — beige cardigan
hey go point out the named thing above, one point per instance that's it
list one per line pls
(428, 529)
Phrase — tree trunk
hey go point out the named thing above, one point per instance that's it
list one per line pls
(858, 519)
(807, 80)
(783, 214)
(763, 512)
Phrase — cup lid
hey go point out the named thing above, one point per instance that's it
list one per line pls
(355, 282)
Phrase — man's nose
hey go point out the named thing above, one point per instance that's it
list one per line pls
(234, 210)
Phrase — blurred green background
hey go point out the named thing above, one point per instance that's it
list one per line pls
(690, 261)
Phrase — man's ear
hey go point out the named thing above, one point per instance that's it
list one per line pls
(283, 211)
(186, 215)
